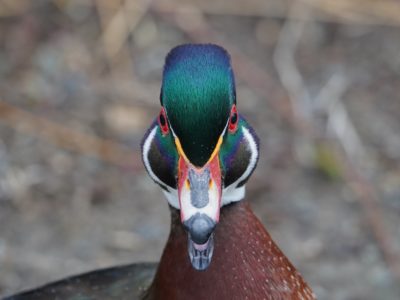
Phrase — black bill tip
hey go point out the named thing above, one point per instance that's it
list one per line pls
(200, 255)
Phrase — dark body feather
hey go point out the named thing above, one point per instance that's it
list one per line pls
(119, 283)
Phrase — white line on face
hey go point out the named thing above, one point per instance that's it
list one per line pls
(171, 194)
(232, 193)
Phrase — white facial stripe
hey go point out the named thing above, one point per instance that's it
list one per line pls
(146, 149)
(171, 194)
(232, 193)
(211, 209)
(252, 145)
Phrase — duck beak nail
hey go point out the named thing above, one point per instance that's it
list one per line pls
(201, 255)
(200, 229)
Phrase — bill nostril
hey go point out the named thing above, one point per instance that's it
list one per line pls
(200, 227)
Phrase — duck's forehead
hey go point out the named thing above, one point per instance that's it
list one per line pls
(195, 57)
(197, 93)
(202, 72)
(198, 73)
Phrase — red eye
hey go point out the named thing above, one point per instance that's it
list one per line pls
(162, 121)
(233, 120)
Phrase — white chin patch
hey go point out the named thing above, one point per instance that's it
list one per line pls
(233, 194)
(172, 197)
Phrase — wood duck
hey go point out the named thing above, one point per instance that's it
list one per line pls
(201, 152)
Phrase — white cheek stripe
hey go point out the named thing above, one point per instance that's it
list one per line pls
(172, 194)
(232, 193)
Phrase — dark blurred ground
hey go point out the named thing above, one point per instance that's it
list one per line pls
(79, 84)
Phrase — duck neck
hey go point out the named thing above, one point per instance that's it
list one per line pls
(246, 263)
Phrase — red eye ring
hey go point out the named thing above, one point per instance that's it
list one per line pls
(162, 122)
(233, 120)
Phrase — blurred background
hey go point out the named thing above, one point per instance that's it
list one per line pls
(318, 80)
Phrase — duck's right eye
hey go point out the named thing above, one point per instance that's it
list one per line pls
(233, 120)
(162, 122)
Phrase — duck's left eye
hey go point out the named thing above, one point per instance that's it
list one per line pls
(233, 120)
(162, 122)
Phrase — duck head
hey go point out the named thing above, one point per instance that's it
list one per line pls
(199, 149)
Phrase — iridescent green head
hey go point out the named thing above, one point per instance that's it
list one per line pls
(198, 92)
(200, 150)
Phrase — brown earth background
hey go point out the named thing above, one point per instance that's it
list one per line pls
(318, 80)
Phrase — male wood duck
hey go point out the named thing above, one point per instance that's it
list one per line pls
(201, 152)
